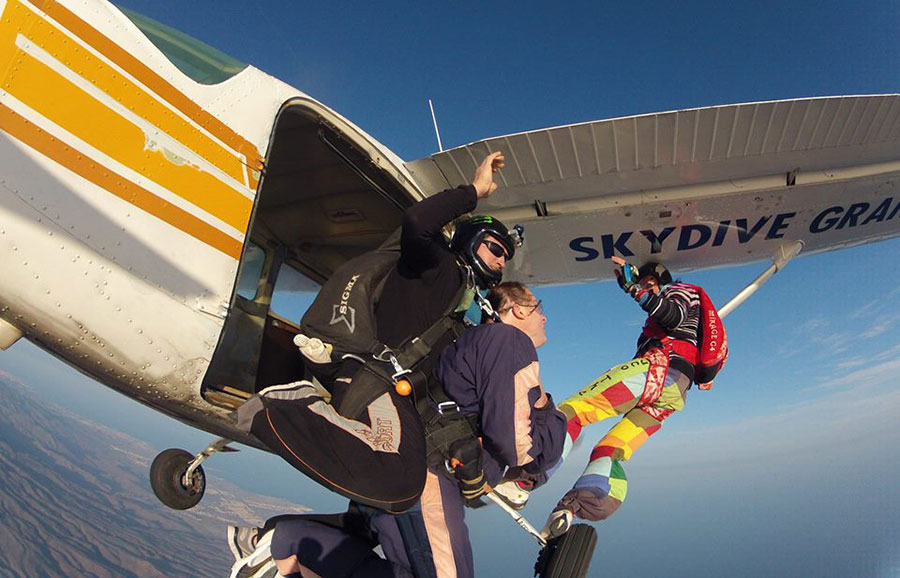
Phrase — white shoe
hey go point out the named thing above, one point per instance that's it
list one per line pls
(257, 564)
(241, 541)
(513, 494)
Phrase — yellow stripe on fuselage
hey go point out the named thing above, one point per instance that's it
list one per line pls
(51, 147)
(63, 103)
(152, 80)
(192, 156)
(132, 96)
(66, 105)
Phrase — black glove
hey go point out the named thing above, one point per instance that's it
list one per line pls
(467, 462)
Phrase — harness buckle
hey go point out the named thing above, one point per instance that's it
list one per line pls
(399, 372)
(446, 407)
(398, 369)
(385, 355)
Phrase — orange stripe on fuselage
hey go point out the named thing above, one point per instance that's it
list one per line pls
(147, 77)
(44, 143)
(54, 97)
(68, 106)
(132, 96)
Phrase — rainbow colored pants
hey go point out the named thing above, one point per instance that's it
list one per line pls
(644, 391)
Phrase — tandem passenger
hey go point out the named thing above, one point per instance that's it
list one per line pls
(492, 373)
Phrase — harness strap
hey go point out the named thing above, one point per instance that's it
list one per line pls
(441, 436)
(444, 422)
(412, 353)
(387, 364)
(415, 360)
(362, 391)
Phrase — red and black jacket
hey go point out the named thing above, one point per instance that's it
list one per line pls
(673, 323)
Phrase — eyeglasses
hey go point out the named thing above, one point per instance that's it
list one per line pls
(538, 307)
(496, 249)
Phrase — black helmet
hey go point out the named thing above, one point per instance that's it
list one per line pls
(656, 270)
(468, 237)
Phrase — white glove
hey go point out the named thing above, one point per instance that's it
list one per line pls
(313, 348)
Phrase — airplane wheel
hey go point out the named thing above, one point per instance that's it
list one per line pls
(569, 556)
(167, 480)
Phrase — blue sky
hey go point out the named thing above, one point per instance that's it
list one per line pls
(789, 467)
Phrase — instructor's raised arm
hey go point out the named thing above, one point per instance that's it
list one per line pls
(484, 175)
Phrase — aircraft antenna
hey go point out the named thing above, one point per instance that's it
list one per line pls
(437, 132)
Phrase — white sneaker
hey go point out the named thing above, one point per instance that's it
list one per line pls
(513, 494)
(241, 541)
(257, 564)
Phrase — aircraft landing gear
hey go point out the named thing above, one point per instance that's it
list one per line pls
(171, 484)
(177, 478)
(569, 555)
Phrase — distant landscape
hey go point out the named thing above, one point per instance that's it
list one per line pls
(75, 500)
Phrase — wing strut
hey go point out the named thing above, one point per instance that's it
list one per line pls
(519, 518)
(781, 258)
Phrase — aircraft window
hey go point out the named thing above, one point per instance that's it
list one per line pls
(251, 269)
(201, 62)
(294, 293)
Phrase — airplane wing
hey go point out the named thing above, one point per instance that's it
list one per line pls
(694, 188)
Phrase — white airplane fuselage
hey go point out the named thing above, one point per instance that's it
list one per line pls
(126, 197)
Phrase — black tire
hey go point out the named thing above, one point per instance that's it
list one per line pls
(570, 555)
(166, 478)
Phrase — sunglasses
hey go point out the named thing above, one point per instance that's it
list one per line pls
(496, 249)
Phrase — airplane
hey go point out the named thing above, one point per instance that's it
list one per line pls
(167, 211)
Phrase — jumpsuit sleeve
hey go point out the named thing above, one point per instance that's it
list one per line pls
(515, 431)
(421, 241)
(669, 309)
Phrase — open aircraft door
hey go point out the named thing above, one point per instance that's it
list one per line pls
(328, 193)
